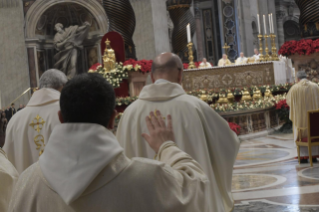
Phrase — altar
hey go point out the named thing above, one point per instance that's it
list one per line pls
(235, 76)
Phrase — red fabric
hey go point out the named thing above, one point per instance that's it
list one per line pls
(117, 43)
(305, 140)
(123, 90)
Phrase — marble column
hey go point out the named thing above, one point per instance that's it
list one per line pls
(199, 35)
(14, 78)
(151, 35)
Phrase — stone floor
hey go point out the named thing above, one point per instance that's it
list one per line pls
(268, 178)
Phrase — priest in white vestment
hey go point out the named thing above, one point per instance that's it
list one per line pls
(29, 130)
(8, 178)
(224, 61)
(204, 64)
(241, 60)
(84, 169)
(303, 97)
(256, 55)
(200, 131)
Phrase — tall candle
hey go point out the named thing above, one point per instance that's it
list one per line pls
(272, 24)
(188, 28)
(258, 23)
(270, 29)
(265, 25)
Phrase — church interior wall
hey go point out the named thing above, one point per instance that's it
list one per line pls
(14, 73)
(151, 34)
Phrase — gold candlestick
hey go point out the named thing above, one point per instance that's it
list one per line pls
(273, 48)
(267, 57)
(261, 50)
(191, 64)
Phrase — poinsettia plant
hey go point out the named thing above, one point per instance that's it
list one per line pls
(282, 109)
(234, 127)
(301, 47)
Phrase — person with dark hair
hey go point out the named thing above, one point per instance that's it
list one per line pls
(29, 130)
(20, 107)
(83, 167)
(200, 131)
(7, 112)
(11, 112)
(303, 97)
(8, 174)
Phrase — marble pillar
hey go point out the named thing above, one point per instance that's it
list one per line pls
(199, 35)
(14, 71)
(151, 35)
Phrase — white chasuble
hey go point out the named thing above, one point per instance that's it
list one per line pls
(223, 62)
(241, 61)
(83, 169)
(199, 131)
(29, 130)
(8, 178)
(205, 65)
(303, 97)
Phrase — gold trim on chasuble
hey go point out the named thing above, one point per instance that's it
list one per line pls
(37, 124)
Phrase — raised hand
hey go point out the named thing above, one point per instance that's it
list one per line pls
(159, 132)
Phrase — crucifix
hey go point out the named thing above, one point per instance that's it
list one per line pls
(226, 47)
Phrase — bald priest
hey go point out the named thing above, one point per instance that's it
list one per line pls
(84, 169)
(200, 131)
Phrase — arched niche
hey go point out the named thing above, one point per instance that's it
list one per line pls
(39, 32)
(291, 30)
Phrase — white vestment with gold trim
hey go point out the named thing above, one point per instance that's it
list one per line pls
(29, 130)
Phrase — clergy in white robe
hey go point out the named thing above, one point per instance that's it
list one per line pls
(204, 64)
(8, 178)
(241, 60)
(303, 97)
(256, 55)
(224, 61)
(29, 130)
(83, 167)
(199, 130)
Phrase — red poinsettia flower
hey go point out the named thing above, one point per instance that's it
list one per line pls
(234, 127)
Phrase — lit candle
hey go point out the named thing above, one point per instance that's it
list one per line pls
(272, 24)
(270, 29)
(265, 25)
(188, 28)
(258, 24)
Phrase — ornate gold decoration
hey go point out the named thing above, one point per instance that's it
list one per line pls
(230, 96)
(246, 95)
(109, 59)
(191, 64)
(257, 94)
(39, 142)
(268, 92)
(222, 99)
(274, 56)
(261, 50)
(226, 47)
(204, 96)
(227, 77)
(267, 57)
(37, 124)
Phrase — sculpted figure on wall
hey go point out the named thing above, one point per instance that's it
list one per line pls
(67, 41)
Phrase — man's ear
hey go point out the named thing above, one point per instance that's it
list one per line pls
(180, 76)
(60, 117)
(111, 124)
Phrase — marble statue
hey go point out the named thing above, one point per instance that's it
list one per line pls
(67, 41)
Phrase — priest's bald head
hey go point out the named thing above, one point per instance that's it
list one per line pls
(88, 98)
(167, 66)
(301, 75)
(54, 79)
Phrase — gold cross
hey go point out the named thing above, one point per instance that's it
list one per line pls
(38, 124)
(226, 47)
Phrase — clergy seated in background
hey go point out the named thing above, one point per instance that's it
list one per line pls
(224, 61)
(205, 64)
(84, 168)
(303, 97)
(8, 178)
(256, 55)
(241, 60)
(29, 130)
(199, 130)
